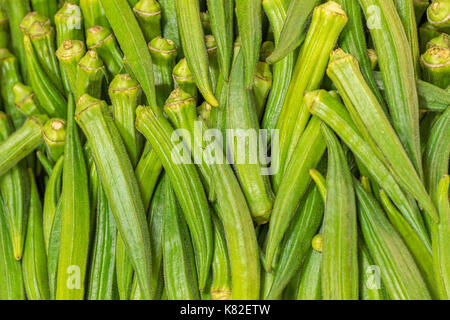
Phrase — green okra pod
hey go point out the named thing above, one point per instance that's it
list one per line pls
(438, 14)
(102, 263)
(262, 86)
(332, 112)
(373, 58)
(133, 44)
(397, 69)
(440, 236)
(35, 276)
(431, 97)
(242, 116)
(102, 40)
(21, 143)
(4, 29)
(340, 245)
(214, 70)
(282, 70)
(443, 41)
(248, 15)
(49, 97)
(293, 33)
(405, 10)
(436, 66)
(25, 100)
(221, 14)
(54, 244)
(204, 113)
(186, 183)
(75, 216)
(69, 54)
(309, 287)
(16, 11)
(398, 270)
(47, 8)
(221, 284)
(179, 267)
(15, 192)
(363, 106)
(11, 278)
(306, 156)
(192, 38)
(93, 14)
(327, 22)
(124, 270)
(42, 36)
(90, 75)
(125, 94)
(118, 179)
(148, 171)
(169, 23)
(9, 76)
(183, 78)
(164, 53)
(303, 228)
(148, 14)
(426, 33)
(69, 23)
(51, 198)
(54, 133)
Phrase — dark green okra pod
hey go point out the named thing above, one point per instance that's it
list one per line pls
(119, 181)
(90, 75)
(54, 133)
(164, 53)
(125, 94)
(15, 192)
(148, 14)
(35, 275)
(180, 274)
(75, 216)
(436, 66)
(50, 98)
(169, 23)
(9, 76)
(93, 14)
(69, 54)
(183, 78)
(25, 100)
(28, 137)
(192, 38)
(69, 23)
(11, 279)
(102, 40)
(4, 29)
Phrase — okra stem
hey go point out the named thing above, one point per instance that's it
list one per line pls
(69, 54)
(25, 100)
(90, 75)
(54, 133)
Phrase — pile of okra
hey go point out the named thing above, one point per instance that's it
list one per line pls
(224, 149)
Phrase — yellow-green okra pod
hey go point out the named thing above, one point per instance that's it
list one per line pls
(75, 216)
(54, 133)
(34, 265)
(119, 181)
(436, 66)
(193, 41)
(438, 14)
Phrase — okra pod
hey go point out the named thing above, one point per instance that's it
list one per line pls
(363, 106)
(102, 263)
(90, 75)
(183, 78)
(327, 22)
(443, 41)
(293, 33)
(169, 23)
(192, 38)
(102, 40)
(248, 15)
(373, 58)
(148, 14)
(54, 244)
(221, 284)
(438, 14)
(306, 156)
(262, 86)
(164, 53)
(69, 54)
(214, 70)
(148, 171)
(436, 66)
(398, 270)
(25, 100)
(440, 236)
(11, 278)
(397, 69)
(54, 133)
(118, 179)
(125, 94)
(221, 14)
(93, 14)
(179, 266)
(267, 47)
(9, 76)
(49, 97)
(426, 33)
(15, 192)
(21, 143)
(241, 115)
(124, 270)
(4, 29)
(35, 276)
(75, 216)
(309, 287)
(47, 8)
(69, 23)
(204, 113)
(282, 70)
(370, 288)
